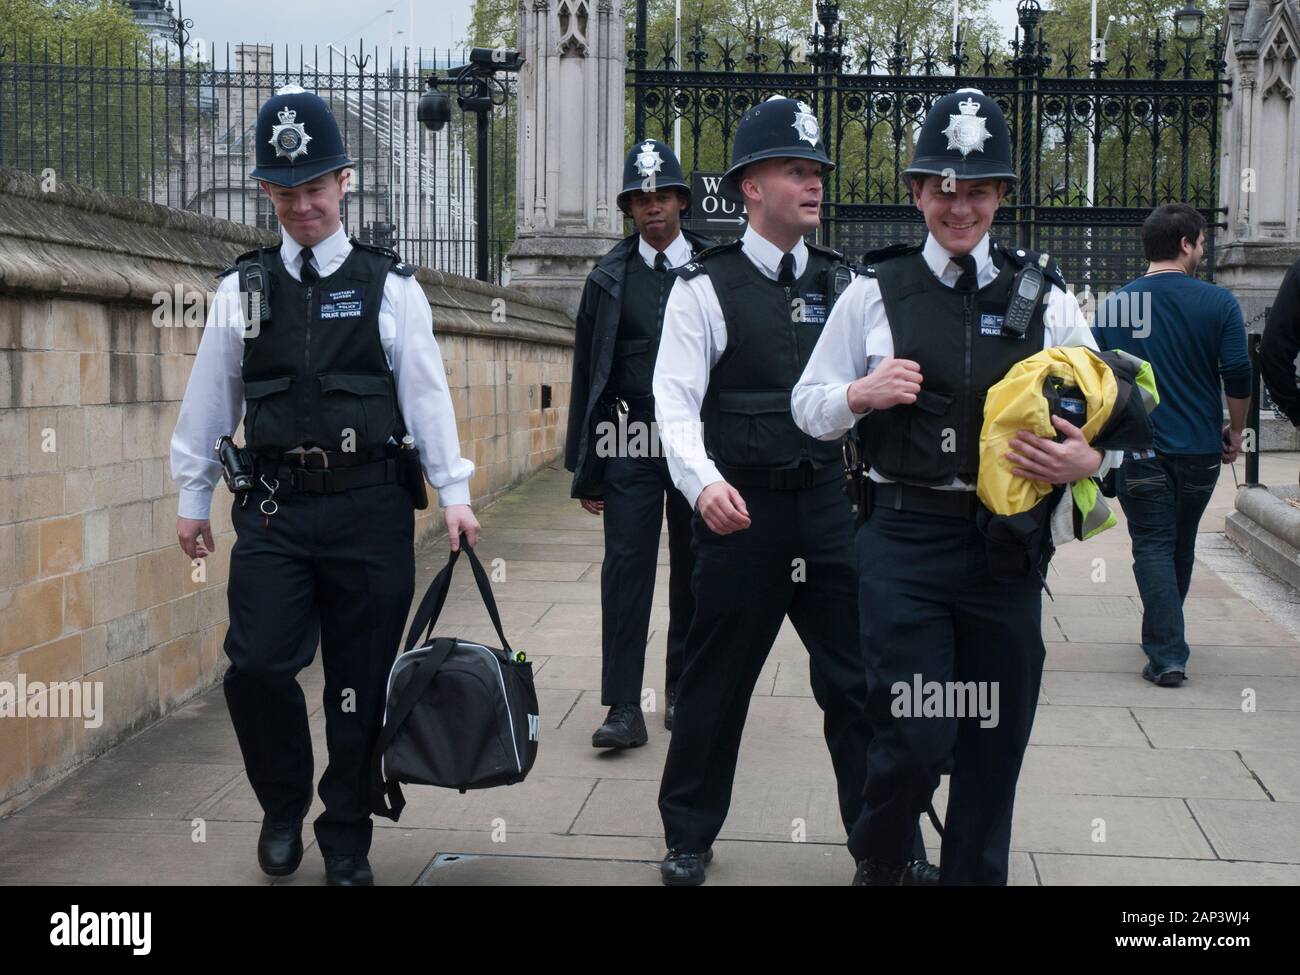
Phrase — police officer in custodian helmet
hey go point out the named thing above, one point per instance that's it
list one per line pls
(324, 346)
(619, 472)
(773, 531)
(907, 357)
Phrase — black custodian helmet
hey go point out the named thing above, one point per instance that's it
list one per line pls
(779, 128)
(652, 165)
(964, 135)
(297, 138)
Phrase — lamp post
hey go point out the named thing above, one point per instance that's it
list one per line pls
(1188, 28)
(478, 90)
(180, 33)
(1096, 62)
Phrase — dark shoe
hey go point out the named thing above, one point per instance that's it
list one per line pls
(348, 871)
(877, 873)
(624, 727)
(279, 848)
(670, 711)
(1170, 678)
(919, 873)
(682, 869)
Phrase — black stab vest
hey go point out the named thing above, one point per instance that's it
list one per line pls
(317, 370)
(957, 340)
(771, 332)
(644, 292)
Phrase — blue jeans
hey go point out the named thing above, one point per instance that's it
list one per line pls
(1163, 499)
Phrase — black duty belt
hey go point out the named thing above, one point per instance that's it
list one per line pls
(924, 500)
(317, 458)
(329, 480)
(783, 478)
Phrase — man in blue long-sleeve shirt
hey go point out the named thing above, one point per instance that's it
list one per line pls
(1193, 335)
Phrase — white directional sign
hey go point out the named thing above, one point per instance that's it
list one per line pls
(711, 212)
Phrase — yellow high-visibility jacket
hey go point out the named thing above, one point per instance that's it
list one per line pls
(1119, 391)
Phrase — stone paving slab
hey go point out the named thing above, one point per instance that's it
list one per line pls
(1200, 691)
(1268, 831)
(1259, 661)
(1229, 728)
(1059, 870)
(1188, 787)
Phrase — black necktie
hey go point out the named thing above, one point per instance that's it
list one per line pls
(661, 262)
(968, 281)
(786, 276)
(308, 273)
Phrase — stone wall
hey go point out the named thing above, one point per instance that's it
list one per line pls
(93, 586)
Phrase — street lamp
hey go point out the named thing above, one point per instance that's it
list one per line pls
(478, 89)
(1188, 23)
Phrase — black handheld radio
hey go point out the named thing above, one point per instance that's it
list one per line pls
(1026, 291)
(254, 283)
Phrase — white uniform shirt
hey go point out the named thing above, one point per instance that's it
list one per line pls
(214, 398)
(677, 253)
(694, 336)
(857, 339)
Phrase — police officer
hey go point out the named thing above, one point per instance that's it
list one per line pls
(341, 372)
(612, 445)
(908, 354)
(772, 528)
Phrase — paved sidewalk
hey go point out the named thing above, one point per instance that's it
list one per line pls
(1125, 783)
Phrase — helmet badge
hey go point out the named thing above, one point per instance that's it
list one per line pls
(648, 160)
(805, 123)
(290, 137)
(967, 131)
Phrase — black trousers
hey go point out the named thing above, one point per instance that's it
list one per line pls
(745, 585)
(340, 566)
(635, 488)
(930, 613)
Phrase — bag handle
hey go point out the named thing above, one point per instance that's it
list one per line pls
(436, 596)
(425, 671)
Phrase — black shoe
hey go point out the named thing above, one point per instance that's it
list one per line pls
(919, 873)
(624, 727)
(877, 873)
(682, 869)
(279, 848)
(670, 711)
(1170, 678)
(348, 871)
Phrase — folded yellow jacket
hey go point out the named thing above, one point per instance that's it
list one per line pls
(1024, 399)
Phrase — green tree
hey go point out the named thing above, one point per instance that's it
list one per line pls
(77, 95)
(1149, 149)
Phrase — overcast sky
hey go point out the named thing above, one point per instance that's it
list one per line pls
(437, 23)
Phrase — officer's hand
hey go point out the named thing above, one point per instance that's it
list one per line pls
(594, 507)
(195, 536)
(1231, 445)
(1041, 459)
(460, 518)
(893, 382)
(722, 508)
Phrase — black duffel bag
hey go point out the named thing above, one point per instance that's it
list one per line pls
(460, 714)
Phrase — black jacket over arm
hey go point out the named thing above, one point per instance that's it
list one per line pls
(593, 357)
(1281, 344)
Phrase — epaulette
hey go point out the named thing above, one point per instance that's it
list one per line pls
(399, 266)
(871, 258)
(246, 256)
(695, 266)
(1020, 256)
(830, 252)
